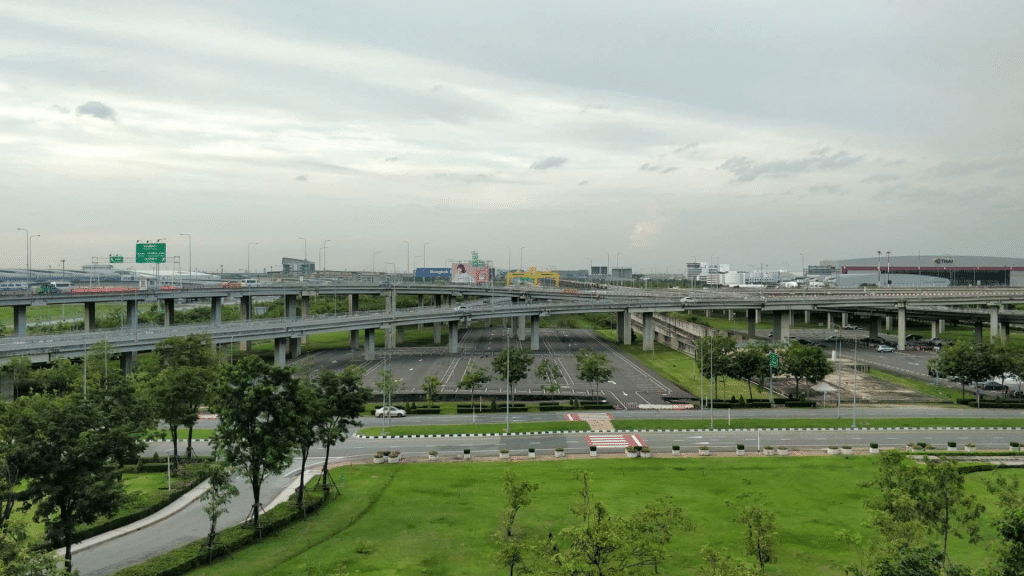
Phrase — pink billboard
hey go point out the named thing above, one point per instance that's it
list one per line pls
(466, 273)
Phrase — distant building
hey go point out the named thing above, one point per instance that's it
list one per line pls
(956, 270)
(296, 266)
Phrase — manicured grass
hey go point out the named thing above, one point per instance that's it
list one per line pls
(558, 425)
(438, 518)
(929, 389)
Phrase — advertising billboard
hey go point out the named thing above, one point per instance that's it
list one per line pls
(467, 273)
(433, 273)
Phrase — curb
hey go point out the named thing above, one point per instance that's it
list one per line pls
(858, 429)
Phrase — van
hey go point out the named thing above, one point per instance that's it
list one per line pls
(61, 285)
(250, 283)
(12, 285)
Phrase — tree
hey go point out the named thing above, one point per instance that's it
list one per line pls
(968, 363)
(608, 545)
(343, 395)
(68, 451)
(749, 363)
(760, 538)
(514, 364)
(18, 556)
(805, 362)
(472, 378)
(592, 367)
(217, 497)
(549, 372)
(309, 413)
(714, 354)
(18, 371)
(722, 564)
(255, 433)
(387, 384)
(189, 364)
(511, 548)
(1009, 525)
(431, 385)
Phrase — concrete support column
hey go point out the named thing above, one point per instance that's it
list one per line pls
(399, 335)
(291, 307)
(453, 337)
(216, 309)
(751, 323)
(648, 323)
(993, 323)
(828, 321)
(132, 315)
(757, 315)
(942, 326)
(707, 313)
(437, 332)
(244, 304)
(901, 325)
(129, 361)
(807, 316)
(280, 351)
(873, 323)
(306, 300)
(90, 316)
(369, 344)
(978, 331)
(888, 323)
(627, 328)
(731, 314)
(522, 328)
(169, 312)
(781, 320)
(420, 304)
(20, 320)
(1004, 331)
(620, 323)
(935, 328)
(535, 333)
(294, 348)
(353, 307)
(846, 319)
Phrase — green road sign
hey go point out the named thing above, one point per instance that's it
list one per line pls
(117, 259)
(151, 253)
(773, 359)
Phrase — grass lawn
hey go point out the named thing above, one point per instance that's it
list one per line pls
(775, 423)
(438, 518)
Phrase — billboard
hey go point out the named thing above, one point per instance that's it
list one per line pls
(433, 273)
(467, 273)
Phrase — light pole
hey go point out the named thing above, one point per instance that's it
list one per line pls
(189, 254)
(521, 258)
(879, 267)
(425, 254)
(617, 262)
(374, 265)
(325, 255)
(28, 256)
(304, 244)
(801, 264)
(406, 256)
(888, 269)
(248, 256)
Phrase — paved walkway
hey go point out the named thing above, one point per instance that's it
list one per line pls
(599, 422)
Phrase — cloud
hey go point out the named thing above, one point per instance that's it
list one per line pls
(61, 109)
(97, 110)
(960, 169)
(649, 167)
(881, 178)
(584, 183)
(669, 169)
(644, 234)
(391, 159)
(301, 178)
(549, 162)
(746, 170)
(828, 189)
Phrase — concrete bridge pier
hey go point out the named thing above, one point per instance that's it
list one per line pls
(453, 337)
(280, 351)
(935, 328)
(389, 329)
(846, 319)
(535, 333)
(942, 326)
(521, 320)
(90, 316)
(399, 335)
(648, 322)
(369, 344)
(873, 323)
(978, 331)
(305, 314)
(757, 315)
(751, 322)
(128, 361)
(294, 347)
(807, 316)
(731, 314)
(353, 307)
(290, 306)
(888, 323)
(20, 320)
(244, 305)
(993, 323)
(168, 312)
(780, 328)
(132, 315)
(901, 325)
(216, 309)
(437, 325)
(828, 321)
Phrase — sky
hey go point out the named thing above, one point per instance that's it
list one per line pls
(560, 135)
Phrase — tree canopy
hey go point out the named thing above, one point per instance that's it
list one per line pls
(513, 363)
(594, 368)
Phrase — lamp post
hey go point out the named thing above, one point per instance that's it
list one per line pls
(189, 254)
(374, 265)
(325, 255)
(303, 268)
(801, 264)
(879, 267)
(617, 262)
(406, 256)
(425, 254)
(248, 256)
(28, 256)
(888, 269)
(521, 258)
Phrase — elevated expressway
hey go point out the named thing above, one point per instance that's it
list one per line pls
(289, 332)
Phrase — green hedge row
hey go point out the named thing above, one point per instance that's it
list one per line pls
(194, 554)
(486, 408)
(425, 410)
(989, 403)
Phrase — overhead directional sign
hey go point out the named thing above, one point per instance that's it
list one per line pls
(151, 253)
(116, 259)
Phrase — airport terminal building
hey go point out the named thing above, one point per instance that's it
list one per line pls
(930, 270)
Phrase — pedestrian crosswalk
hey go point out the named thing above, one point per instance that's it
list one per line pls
(614, 440)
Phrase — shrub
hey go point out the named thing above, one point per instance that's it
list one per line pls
(675, 447)
(532, 450)
(379, 454)
(873, 444)
(432, 452)
(394, 454)
(645, 449)
(847, 447)
(1014, 444)
(465, 451)
(740, 447)
(364, 546)
(951, 444)
(503, 450)
(833, 447)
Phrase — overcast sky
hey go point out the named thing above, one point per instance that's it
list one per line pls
(640, 133)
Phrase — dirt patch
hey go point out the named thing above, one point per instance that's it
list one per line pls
(869, 390)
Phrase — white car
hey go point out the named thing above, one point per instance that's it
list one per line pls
(389, 410)
(686, 300)
(885, 348)
(849, 327)
(461, 308)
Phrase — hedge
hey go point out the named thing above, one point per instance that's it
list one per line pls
(989, 403)
(195, 554)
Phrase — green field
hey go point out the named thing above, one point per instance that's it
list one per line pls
(437, 518)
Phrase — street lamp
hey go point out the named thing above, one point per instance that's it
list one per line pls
(248, 258)
(189, 254)
(406, 256)
(28, 256)
(521, 258)
(304, 246)
(425, 254)
(324, 267)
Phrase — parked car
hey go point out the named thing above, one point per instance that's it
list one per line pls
(849, 327)
(386, 410)
(913, 337)
(885, 348)
(833, 338)
(993, 386)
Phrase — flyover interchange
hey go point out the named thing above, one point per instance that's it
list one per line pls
(289, 331)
